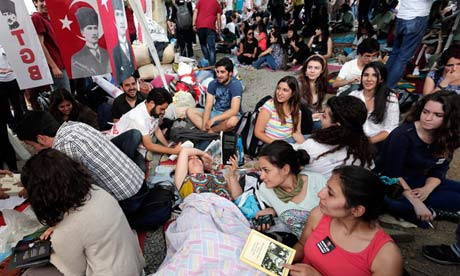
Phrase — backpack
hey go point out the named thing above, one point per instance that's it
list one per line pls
(183, 17)
(155, 209)
(245, 129)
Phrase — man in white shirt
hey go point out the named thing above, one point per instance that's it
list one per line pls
(411, 24)
(145, 118)
(349, 77)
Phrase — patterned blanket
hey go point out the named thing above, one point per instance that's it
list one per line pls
(207, 239)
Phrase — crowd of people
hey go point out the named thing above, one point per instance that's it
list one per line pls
(328, 165)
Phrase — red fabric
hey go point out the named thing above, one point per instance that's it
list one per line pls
(43, 27)
(130, 20)
(207, 14)
(338, 261)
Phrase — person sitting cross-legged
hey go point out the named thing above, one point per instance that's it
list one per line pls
(223, 101)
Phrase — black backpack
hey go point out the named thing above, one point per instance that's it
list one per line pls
(183, 17)
(245, 129)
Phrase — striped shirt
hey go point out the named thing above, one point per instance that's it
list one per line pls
(109, 167)
(274, 128)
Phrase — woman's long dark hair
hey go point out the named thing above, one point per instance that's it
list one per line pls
(320, 83)
(57, 97)
(382, 92)
(294, 102)
(56, 184)
(451, 52)
(349, 114)
(447, 136)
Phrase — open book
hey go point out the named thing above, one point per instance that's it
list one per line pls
(13, 183)
(266, 254)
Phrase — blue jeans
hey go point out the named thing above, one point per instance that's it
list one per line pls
(409, 34)
(61, 82)
(268, 59)
(445, 197)
(128, 142)
(207, 39)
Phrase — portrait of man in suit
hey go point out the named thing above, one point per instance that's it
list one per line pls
(91, 60)
(122, 53)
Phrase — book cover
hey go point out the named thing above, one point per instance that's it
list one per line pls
(30, 253)
(229, 140)
(266, 254)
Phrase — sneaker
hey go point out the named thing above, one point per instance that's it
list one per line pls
(441, 254)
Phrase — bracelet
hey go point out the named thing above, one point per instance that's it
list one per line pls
(440, 87)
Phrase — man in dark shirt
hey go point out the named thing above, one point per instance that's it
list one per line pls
(128, 100)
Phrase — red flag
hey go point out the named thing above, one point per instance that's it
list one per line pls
(78, 27)
(117, 38)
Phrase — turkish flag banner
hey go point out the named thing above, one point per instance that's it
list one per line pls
(22, 47)
(80, 35)
(117, 37)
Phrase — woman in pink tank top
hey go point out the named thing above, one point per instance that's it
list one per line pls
(342, 236)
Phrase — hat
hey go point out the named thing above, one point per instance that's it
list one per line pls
(8, 6)
(86, 16)
(118, 5)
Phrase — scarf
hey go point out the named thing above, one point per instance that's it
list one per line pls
(287, 196)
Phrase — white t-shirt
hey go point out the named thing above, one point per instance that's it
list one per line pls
(325, 164)
(349, 71)
(9, 76)
(390, 121)
(294, 215)
(410, 9)
(137, 118)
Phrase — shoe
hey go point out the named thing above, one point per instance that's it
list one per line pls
(446, 215)
(441, 254)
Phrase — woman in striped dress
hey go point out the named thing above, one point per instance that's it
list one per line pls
(279, 118)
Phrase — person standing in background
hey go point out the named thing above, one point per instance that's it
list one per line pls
(205, 16)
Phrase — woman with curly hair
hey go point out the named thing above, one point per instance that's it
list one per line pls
(447, 77)
(313, 84)
(420, 151)
(342, 140)
(279, 118)
(89, 232)
(64, 107)
(381, 102)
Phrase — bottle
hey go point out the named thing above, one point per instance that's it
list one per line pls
(240, 151)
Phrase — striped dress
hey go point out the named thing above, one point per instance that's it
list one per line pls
(274, 129)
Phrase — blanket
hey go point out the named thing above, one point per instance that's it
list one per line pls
(207, 239)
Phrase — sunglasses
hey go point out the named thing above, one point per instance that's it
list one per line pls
(250, 33)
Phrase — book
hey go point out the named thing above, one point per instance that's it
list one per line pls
(229, 146)
(13, 183)
(266, 254)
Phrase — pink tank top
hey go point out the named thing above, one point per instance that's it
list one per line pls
(328, 258)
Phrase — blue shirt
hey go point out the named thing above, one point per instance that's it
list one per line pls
(404, 154)
(224, 94)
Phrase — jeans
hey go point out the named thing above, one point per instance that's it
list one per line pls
(128, 142)
(207, 39)
(61, 82)
(268, 59)
(445, 197)
(409, 34)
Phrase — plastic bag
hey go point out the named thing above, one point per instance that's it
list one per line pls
(18, 225)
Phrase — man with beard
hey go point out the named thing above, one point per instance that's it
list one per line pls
(145, 118)
(128, 100)
(223, 101)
